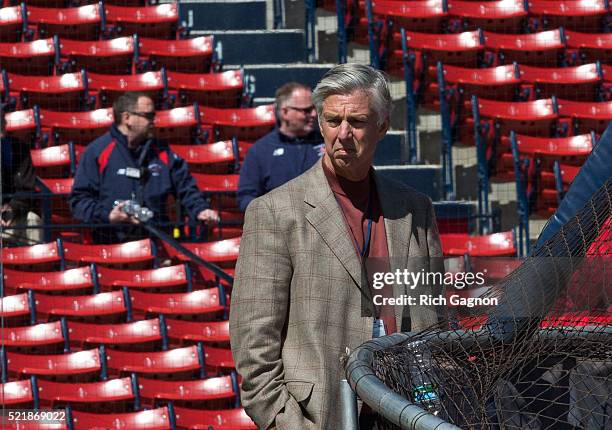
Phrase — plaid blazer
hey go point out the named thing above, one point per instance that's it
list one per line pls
(296, 307)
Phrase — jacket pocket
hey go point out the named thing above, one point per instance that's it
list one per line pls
(300, 390)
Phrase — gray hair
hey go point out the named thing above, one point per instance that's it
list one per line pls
(348, 78)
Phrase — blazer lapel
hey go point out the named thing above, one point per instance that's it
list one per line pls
(398, 227)
(327, 219)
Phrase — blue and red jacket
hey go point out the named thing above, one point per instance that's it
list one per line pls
(103, 176)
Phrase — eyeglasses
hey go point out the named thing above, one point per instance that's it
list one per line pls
(148, 115)
(305, 110)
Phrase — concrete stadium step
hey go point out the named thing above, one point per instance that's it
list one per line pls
(211, 15)
(389, 151)
(242, 47)
(268, 77)
(426, 179)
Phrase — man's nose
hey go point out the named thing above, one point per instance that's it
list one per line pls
(345, 130)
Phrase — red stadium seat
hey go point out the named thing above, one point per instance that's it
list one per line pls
(59, 188)
(218, 360)
(62, 93)
(71, 365)
(11, 23)
(179, 125)
(58, 160)
(103, 306)
(495, 83)
(75, 127)
(243, 124)
(16, 393)
(542, 49)
(16, 310)
(114, 56)
(577, 147)
(576, 15)
(551, 197)
(110, 87)
(30, 58)
(534, 185)
(83, 23)
(590, 47)
(217, 183)
(163, 277)
(462, 49)
(221, 90)
(218, 157)
(139, 251)
(71, 280)
(220, 252)
(188, 55)
(494, 268)
(198, 331)
(503, 16)
(47, 254)
(224, 388)
(227, 419)
(535, 117)
(50, 336)
(143, 334)
(173, 362)
(160, 21)
(196, 303)
(152, 419)
(105, 395)
(492, 245)
(574, 83)
(425, 16)
(23, 125)
(586, 116)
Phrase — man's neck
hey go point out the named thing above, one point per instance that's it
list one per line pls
(353, 176)
(130, 141)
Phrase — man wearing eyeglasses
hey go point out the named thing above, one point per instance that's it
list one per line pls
(129, 164)
(286, 152)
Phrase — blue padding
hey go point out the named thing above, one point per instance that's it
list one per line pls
(593, 174)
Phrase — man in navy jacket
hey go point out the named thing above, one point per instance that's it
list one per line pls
(127, 163)
(287, 151)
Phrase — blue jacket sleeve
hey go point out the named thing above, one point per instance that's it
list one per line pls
(250, 183)
(84, 198)
(185, 186)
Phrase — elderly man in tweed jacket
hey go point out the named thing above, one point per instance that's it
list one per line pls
(297, 299)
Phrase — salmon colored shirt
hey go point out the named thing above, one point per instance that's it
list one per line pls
(353, 199)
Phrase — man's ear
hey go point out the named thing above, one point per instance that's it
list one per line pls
(384, 127)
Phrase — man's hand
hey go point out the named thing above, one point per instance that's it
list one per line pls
(117, 216)
(5, 208)
(209, 216)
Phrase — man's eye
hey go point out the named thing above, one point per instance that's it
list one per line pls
(333, 122)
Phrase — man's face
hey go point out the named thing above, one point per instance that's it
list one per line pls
(349, 127)
(139, 121)
(298, 114)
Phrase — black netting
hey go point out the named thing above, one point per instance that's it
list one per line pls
(541, 358)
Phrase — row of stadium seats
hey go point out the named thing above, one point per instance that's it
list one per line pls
(89, 22)
(154, 333)
(504, 16)
(143, 252)
(82, 90)
(183, 125)
(146, 392)
(118, 305)
(166, 417)
(122, 55)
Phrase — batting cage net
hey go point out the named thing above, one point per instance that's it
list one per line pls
(539, 359)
